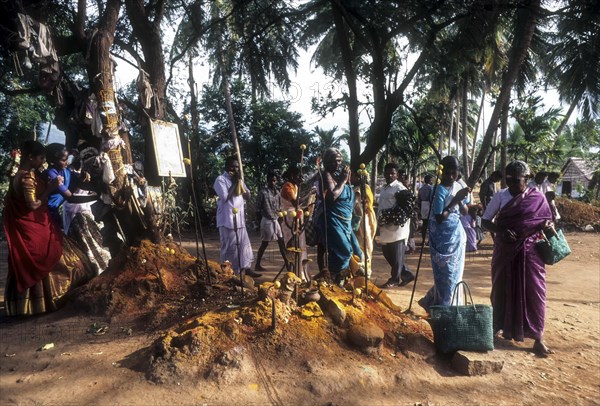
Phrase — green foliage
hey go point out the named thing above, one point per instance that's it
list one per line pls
(461, 42)
(533, 138)
(269, 134)
(175, 214)
(22, 117)
(573, 61)
(410, 140)
(582, 139)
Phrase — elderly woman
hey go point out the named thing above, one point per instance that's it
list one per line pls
(518, 273)
(447, 238)
(337, 219)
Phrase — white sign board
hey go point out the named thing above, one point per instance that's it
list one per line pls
(167, 148)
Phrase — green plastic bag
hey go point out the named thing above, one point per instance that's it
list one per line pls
(554, 248)
(467, 327)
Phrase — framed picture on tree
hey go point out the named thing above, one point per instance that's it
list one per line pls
(167, 149)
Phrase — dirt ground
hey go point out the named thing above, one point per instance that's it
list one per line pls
(83, 368)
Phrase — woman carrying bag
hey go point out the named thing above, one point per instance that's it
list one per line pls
(518, 295)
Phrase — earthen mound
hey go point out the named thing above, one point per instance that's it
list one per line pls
(576, 215)
(227, 344)
(158, 281)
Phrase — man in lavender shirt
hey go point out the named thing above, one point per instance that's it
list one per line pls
(228, 199)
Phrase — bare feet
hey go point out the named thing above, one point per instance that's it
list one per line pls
(540, 349)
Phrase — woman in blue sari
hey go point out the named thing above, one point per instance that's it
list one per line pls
(337, 220)
(447, 238)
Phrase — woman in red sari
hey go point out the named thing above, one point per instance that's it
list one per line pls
(40, 272)
(518, 273)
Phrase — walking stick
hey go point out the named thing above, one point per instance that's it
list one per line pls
(281, 214)
(237, 244)
(363, 192)
(326, 254)
(437, 179)
(197, 222)
(300, 220)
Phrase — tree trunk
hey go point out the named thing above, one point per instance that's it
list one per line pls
(527, 17)
(465, 129)
(374, 174)
(100, 74)
(450, 132)
(149, 35)
(352, 98)
(476, 130)
(227, 93)
(504, 140)
(494, 143)
(565, 120)
(193, 97)
(385, 105)
(457, 128)
(193, 138)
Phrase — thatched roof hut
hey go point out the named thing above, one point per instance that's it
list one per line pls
(579, 174)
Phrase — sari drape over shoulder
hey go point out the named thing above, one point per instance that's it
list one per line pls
(34, 241)
(447, 247)
(42, 264)
(341, 241)
(518, 273)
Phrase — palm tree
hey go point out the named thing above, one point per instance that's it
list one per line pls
(573, 60)
(255, 40)
(536, 131)
(410, 141)
(526, 22)
(364, 42)
(327, 138)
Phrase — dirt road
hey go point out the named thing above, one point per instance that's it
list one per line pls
(85, 369)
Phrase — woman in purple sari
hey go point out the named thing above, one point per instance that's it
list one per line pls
(518, 273)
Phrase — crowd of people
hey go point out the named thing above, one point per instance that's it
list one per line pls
(348, 219)
(55, 244)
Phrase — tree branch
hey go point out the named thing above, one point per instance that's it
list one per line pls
(125, 60)
(160, 11)
(79, 24)
(131, 50)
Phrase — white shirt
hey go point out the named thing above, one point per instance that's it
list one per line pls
(463, 185)
(499, 200)
(452, 191)
(541, 188)
(225, 207)
(387, 199)
(547, 186)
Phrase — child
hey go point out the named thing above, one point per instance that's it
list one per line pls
(77, 220)
(476, 212)
(551, 197)
(57, 157)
